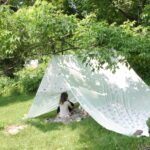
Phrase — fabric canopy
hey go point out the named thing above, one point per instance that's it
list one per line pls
(118, 101)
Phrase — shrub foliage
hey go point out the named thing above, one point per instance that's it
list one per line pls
(26, 81)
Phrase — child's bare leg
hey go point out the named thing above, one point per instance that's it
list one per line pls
(58, 116)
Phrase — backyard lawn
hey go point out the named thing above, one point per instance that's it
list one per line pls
(41, 135)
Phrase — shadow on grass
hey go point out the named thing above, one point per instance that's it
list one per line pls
(98, 138)
(42, 124)
(45, 126)
(93, 136)
(6, 100)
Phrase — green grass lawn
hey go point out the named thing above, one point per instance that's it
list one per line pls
(40, 135)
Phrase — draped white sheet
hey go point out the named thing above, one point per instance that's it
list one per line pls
(119, 102)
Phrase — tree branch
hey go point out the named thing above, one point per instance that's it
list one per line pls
(143, 3)
(40, 44)
(67, 49)
(57, 52)
(121, 11)
(125, 14)
(4, 2)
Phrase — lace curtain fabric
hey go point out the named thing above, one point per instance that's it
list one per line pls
(118, 101)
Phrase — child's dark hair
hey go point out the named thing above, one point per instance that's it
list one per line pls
(63, 97)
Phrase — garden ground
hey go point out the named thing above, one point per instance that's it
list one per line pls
(41, 135)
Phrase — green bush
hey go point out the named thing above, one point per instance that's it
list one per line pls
(29, 78)
(142, 67)
(26, 81)
(148, 124)
(8, 86)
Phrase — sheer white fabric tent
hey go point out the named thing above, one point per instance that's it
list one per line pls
(119, 102)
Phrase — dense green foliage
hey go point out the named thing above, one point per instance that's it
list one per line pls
(111, 10)
(89, 28)
(36, 30)
(26, 81)
(29, 78)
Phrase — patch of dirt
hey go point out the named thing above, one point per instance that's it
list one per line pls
(145, 148)
(14, 129)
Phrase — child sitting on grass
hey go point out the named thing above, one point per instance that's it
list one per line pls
(65, 106)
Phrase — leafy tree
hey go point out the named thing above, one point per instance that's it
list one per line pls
(109, 10)
(36, 30)
(146, 16)
(103, 39)
(45, 29)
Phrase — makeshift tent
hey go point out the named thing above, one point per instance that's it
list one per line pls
(118, 101)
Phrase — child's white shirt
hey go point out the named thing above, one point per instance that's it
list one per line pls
(64, 110)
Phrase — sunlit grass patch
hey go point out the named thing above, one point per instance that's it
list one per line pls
(42, 135)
